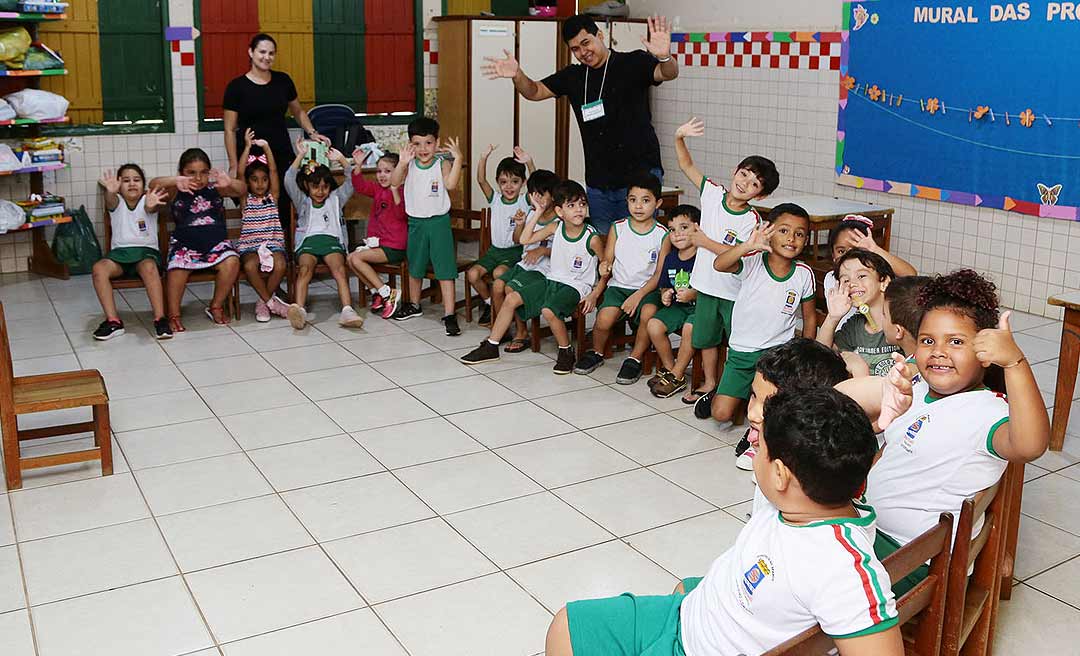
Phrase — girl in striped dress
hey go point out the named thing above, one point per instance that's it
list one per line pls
(262, 241)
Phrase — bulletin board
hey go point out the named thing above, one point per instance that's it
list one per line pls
(973, 103)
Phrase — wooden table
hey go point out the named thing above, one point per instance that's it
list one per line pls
(1067, 363)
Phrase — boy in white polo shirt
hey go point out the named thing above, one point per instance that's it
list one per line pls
(726, 220)
(805, 558)
(775, 289)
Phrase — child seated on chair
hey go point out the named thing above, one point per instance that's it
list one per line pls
(902, 315)
(677, 313)
(387, 233)
(200, 239)
(428, 178)
(320, 233)
(804, 558)
(570, 283)
(863, 277)
(951, 430)
(774, 290)
(535, 260)
(634, 253)
(134, 248)
(507, 212)
(726, 220)
(262, 241)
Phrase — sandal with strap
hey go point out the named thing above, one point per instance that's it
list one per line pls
(175, 325)
(690, 398)
(516, 346)
(217, 315)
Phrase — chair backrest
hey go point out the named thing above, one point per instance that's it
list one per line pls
(469, 225)
(7, 372)
(926, 599)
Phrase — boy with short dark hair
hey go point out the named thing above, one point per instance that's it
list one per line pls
(726, 221)
(804, 559)
(902, 312)
(508, 211)
(428, 178)
(677, 298)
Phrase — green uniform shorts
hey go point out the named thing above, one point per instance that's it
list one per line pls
(675, 316)
(129, 257)
(738, 373)
(431, 242)
(616, 296)
(495, 257)
(712, 321)
(320, 246)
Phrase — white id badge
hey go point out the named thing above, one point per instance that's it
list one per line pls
(592, 111)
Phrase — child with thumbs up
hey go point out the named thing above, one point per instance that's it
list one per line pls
(952, 436)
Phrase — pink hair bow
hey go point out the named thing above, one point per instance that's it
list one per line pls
(860, 219)
(259, 158)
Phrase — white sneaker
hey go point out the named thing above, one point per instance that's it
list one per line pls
(349, 318)
(745, 461)
(297, 316)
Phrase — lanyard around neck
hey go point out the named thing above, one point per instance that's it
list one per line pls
(585, 93)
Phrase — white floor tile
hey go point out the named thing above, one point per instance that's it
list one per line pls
(157, 410)
(416, 442)
(1037, 349)
(506, 361)
(311, 358)
(94, 561)
(77, 506)
(15, 634)
(272, 592)
(340, 635)
(339, 381)
(471, 334)
(338, 510)
(526, 529)
(566, 459)
(211, 347)
(389, 347)
(689, 547)
(1058, 460)
(78, 471)
(537, 381)
(199, 483)
(711, 475)
(219, 371)
(231, 532)
(374, 410)
(1060, 582)
(489, 616)
(165, 445)
(510, 424)
(295, 423)
(131, 383)
(422, 369)
(594, 407)
(39, 346)
(726, 432)
(1050, 499)
(1030, 618)
(450, 396)
(51, 364)
(1048, 331)
(11, 584)
(117, 356)
(313, 462)
(466, 482)
(102, 624)
(7, 527)
(400, 561)
(373, 328)
(654, 439)
(606, 570)
(632, 502)
(251, 396)
(284, 338)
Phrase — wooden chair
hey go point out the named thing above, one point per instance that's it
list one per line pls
(485, 243)
(972, 601)
(538, 332)
(921, 609)
(397, 276)
(136, 282)
(25, 395)
(1015, 474)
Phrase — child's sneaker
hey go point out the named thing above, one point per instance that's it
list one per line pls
(407, 311)
(108, 329)
(668, 386)
(485, 315)
(349, 318)
(390, 304)
(703, 406)
(376, 301)
(451, 325)
(297, 316)
(486, 352)
(588, 363)
(661, 373)
(629, 372)
(278, 307)
(564, 362)
(162, 328)
(745, 460)
(262, 311)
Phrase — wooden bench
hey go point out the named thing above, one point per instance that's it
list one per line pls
(24, 395)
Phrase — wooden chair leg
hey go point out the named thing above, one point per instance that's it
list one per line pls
(579, 332)
(697, 371)
(103, 437)
(12, 470)
(534, 334)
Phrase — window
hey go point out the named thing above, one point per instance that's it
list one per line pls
(362, 53)
(119, 77)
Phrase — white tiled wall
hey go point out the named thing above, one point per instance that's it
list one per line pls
(790, 117)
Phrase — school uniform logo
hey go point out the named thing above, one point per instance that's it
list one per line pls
(578, 262)
(912, 432)
(434, 187)
(761, 571)
(142, 225)
(790, 301)
(652, 256)
(730, 238)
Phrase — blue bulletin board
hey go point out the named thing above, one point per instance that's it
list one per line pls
(974, 103)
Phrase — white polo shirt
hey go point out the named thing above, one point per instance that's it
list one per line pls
(768, 305)
(727, 227)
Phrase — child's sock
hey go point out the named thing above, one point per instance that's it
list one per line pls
(383, 291)
(488, 301)
(491, 341)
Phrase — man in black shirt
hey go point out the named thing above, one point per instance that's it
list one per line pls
(609, 93)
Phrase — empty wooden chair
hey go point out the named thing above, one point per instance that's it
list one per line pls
(25, 395)
(921, 609)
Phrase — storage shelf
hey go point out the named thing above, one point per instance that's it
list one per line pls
(41, 223)
(6, 16)
(51, 166)
(31, 121)
(24, 73)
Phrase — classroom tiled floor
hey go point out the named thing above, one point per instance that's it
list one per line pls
(281, 492)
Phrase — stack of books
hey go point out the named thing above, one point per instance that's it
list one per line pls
(38, 208)
(35, 152)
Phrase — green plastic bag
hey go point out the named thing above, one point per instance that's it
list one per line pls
(75, 243)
